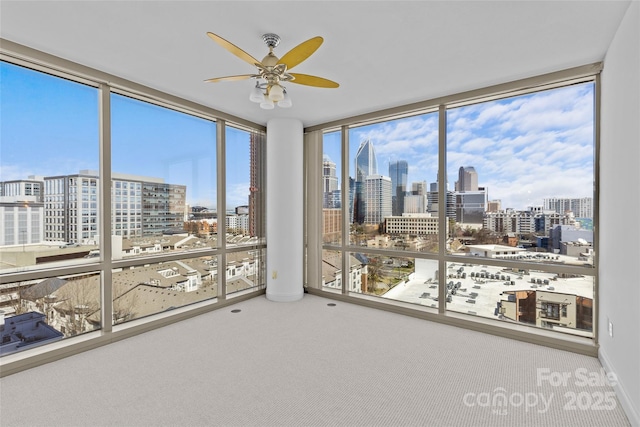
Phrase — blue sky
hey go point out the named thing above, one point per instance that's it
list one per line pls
(524, 148)
(50, 127)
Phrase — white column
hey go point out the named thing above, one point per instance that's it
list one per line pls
(285, 210)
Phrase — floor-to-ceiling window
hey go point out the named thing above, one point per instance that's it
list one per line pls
(244, 225)
(163, 194)
(110, 206)
(48, 207)
(524, 178)
(482, 206)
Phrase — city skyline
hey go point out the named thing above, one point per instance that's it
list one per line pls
(524, 149)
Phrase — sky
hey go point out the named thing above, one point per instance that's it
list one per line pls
(50, 127)
(524, 148)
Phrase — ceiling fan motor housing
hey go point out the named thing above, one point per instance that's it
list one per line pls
(272, 40)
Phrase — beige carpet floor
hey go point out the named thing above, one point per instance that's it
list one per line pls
(307, 363)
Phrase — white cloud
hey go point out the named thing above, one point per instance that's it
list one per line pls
(413, 139)
(524, 148)
(527, 148)
(237, 195)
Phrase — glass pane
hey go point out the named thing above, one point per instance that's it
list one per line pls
(332, 188)
(245, 272)
(143, 290)
(390, 166)
(244, 192)
(523, 173)
(332, 273)
(562, 302)
(163, 180)
(380, 275)
(418, 281)
(47, 310)
(48, 209)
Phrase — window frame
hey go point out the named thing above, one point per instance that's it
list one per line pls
(106, 84)
(562, 78)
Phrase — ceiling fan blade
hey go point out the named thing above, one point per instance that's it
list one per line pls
(301, 52)
(231, 78)
(305, 79)
(234, 49)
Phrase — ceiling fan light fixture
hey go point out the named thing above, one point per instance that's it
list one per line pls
(276, 93)
(256, 94)
(267, 104)
(286, 101)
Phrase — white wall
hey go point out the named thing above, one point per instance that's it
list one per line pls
(619, 234)
(284, 210)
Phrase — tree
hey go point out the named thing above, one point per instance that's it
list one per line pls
(125, 300)
(358, 233)
(374, 274)
(16, 298)
(454, 228)
(77, 300)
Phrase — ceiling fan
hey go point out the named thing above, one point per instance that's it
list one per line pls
(273, 71)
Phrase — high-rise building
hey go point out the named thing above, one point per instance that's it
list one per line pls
(21, 212)
(398, 171)
(432, 201)
(534, 220)
(366, 165)
(21, 220)
(256, 154)
(141, 206)
(330, 187)
(415, 203)
(419, 188)
(470, 206)
(329, 176)
(581, 207)
(494, 205)
(467, 179)
(162, 208)
(71, 207)
(377, 192)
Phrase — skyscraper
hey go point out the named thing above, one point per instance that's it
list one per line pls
(330, 188)
(467, 179)
(398, 171)
(377, 192)
(433, 205)
(366, 165)
(256, 178)
(419, 188)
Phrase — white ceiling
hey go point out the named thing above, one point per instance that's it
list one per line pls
(383, 53)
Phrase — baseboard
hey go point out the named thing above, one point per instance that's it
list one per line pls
(628, 405)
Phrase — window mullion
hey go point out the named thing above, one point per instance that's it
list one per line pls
(106, 287)
(442, 208)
